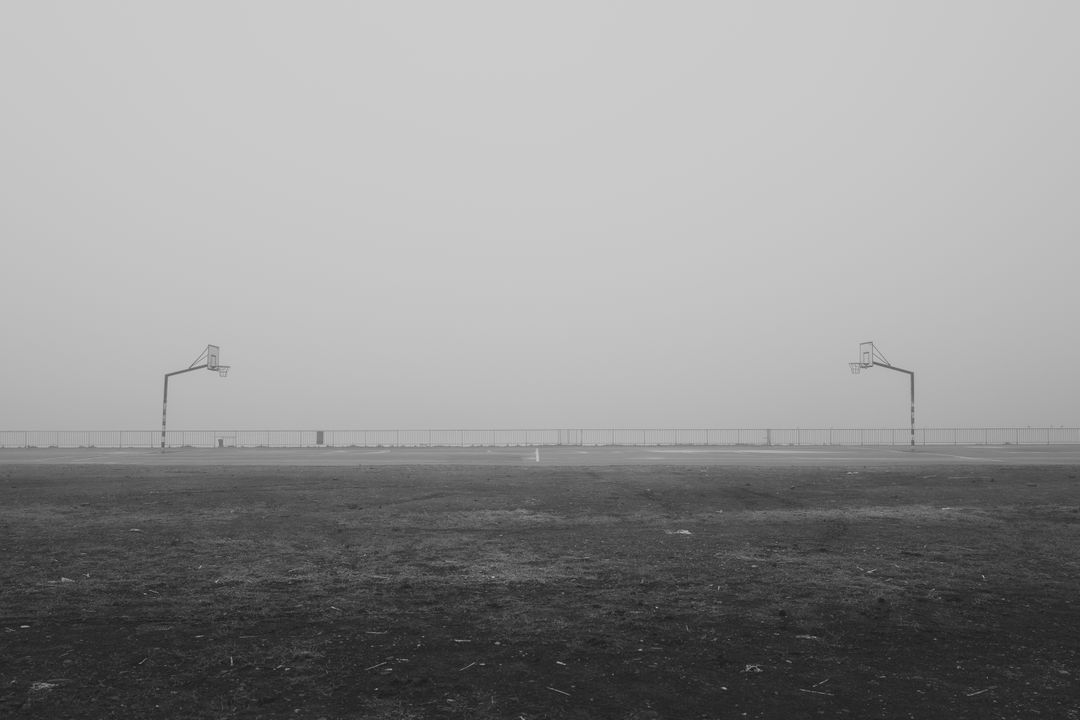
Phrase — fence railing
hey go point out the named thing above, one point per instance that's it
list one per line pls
(536, 437)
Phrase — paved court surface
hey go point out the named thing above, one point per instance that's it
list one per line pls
(560, 456)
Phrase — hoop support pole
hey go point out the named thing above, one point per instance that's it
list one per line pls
(165, 398)
(911, 374)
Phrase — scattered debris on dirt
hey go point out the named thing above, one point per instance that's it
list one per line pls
(486, 592)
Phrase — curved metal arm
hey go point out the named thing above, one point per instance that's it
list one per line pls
(165, 397)
(912, 375)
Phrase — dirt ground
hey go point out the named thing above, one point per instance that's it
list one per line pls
(525, 593)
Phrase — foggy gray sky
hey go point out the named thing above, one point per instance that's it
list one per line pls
(557, 214)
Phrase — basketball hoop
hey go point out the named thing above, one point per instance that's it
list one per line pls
(869, 356)
(212, 355)
(209, 360)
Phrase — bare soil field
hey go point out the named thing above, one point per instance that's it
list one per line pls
(399, 592)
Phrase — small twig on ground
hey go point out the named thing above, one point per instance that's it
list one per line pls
(561, 692)
(821, 683)
(373, 666)
(466, 667)
(815, 692)
(980, 692)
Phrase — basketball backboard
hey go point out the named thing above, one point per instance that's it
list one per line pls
(866, 354)
(213, 355)
(866, 358)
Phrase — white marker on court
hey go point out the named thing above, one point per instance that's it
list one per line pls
(537, 454)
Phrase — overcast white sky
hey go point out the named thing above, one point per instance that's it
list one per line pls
(557, 214)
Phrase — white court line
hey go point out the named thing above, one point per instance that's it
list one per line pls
(47, 459)
(952, 456)
(71, 460)
(791, 451)
(694, 451)
(803, 459)
(1037, 451)
(52, 458)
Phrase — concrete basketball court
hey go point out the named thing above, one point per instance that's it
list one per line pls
(564, 456)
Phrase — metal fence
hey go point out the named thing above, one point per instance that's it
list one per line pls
(541, 437)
